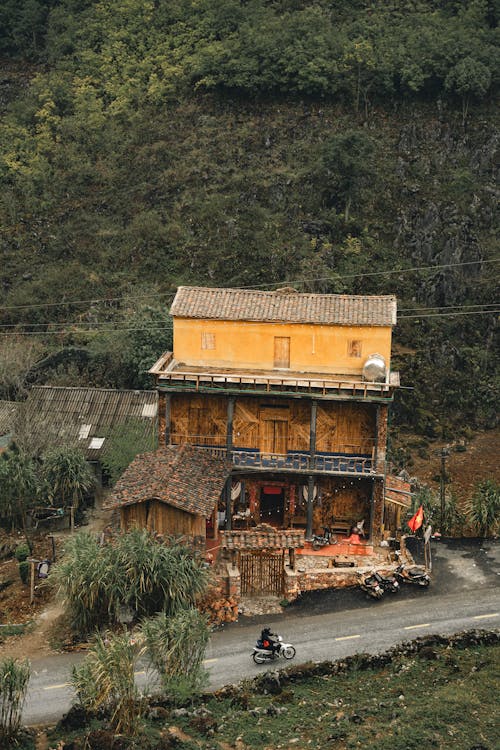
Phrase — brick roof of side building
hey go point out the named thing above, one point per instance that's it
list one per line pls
(285, 305)
(183, 476)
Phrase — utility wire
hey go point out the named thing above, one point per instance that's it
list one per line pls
(155, 328)
(98, 323)
(95, 300)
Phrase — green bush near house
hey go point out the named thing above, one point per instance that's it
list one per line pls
(22, 552)
(136, 571)
(24, 571)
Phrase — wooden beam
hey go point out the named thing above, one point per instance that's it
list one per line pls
(312, 429)
(310, 501)
(230, 417)
(168, 410)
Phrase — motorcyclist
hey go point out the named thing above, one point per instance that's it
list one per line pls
(268, 640)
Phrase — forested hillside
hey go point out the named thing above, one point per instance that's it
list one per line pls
(346, 146)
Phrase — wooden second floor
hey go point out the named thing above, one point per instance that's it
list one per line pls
(290, 435)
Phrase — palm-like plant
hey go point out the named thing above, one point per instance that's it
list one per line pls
(106, 680)
(176, 648)
(483, 510)
(136, 571)
(67, 476)
(18, 487)
(14, 678)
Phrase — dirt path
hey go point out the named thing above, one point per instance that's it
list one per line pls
(36, 643)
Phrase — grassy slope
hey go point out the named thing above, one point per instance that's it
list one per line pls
(440, 696)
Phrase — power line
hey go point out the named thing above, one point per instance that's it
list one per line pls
(162, 328)
(99, 325)
(374, 273)
(95, 300)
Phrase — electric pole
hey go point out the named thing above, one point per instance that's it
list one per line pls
(444, 454)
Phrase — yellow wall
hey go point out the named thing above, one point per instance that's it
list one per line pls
(313, 348)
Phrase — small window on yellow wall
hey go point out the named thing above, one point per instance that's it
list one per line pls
(354, 348)
(207, 340)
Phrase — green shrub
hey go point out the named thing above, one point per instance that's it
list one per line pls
(176, 647)
(22, 552)
(14, 678)
(24, 571)
(137, 572)
(106, 680)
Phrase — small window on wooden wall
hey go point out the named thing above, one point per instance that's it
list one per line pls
(207, 340)
(354, 348)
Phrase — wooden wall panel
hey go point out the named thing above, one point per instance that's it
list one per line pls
(345, 428)
(300, 426)
(246, 423)
(200, 420)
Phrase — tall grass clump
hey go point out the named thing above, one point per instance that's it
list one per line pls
(105, 680)
(14, 678)
(483, 509)
(136, 571)
(176, 648)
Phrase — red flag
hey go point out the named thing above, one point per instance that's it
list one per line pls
(417, 520)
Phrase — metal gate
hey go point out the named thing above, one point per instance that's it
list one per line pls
(262, 572)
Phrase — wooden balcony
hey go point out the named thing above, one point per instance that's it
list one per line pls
(301, 463)
(172, 375)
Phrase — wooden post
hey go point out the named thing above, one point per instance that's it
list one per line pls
(32, 581)
(51, 537)
(72, 519)
(228, 504)
(312, 432)
(310, 500)
(168, 407)
(375, 447)
(229, 431)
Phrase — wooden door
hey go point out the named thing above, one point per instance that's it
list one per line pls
(274, 437)
(282, 351)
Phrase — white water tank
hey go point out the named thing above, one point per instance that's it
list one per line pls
(374, 369)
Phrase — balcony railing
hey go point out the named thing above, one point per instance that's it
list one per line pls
(321, 463)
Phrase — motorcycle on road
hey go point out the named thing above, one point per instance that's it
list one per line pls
(261, 655)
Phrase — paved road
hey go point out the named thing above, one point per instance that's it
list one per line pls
(464, 594)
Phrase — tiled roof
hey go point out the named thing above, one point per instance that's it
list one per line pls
(180, 475)
(284, 306)
(84, 417)
(397, 491)
(262, 537)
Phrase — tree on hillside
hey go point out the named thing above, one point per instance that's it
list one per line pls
(18, 487)
(345, 167)
(468, 78)
(66, 475)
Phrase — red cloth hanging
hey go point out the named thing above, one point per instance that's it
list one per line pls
(269, 490)
(292, 500)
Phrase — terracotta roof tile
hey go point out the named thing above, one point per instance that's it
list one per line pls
(183, 476)
(284, 306)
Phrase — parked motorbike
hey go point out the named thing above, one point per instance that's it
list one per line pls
(370, 584)
(387, 582)
(322, 541)
(412, 574)
(261, 655)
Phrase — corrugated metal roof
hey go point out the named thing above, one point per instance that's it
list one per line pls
(8, 411)
(286, 306)
(85, 416)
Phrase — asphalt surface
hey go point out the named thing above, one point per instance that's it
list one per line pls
(464, 594)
